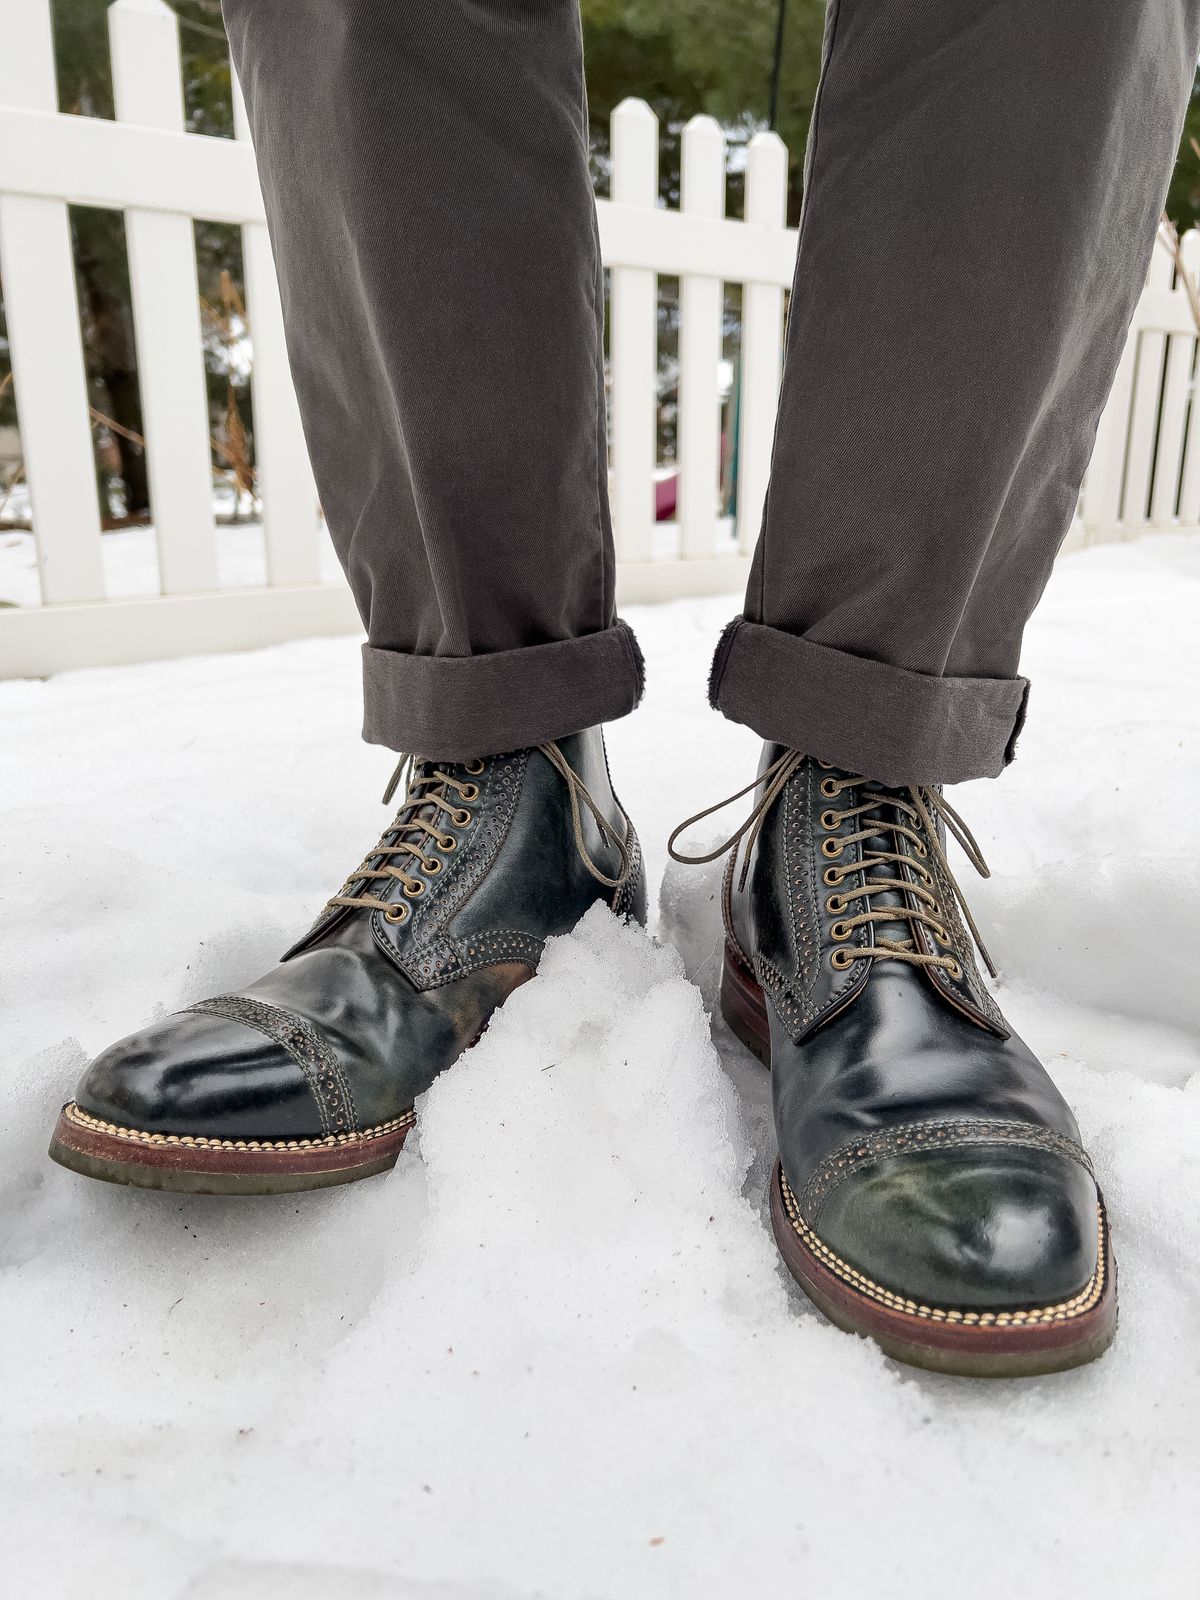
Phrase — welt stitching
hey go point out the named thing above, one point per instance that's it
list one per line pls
(1064, 1311)
(84, 1119)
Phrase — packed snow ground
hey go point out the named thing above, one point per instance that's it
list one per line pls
(553, 1354)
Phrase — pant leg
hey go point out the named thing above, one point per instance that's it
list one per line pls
(984, 185)
(426, 177)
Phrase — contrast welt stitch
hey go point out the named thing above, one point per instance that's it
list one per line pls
(1064, 1311)
(944, 1133)
(84, 1119)
(303, 1043)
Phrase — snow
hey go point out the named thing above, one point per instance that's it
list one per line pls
(553, 1353)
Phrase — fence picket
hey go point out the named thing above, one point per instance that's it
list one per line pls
(762, 338)
(1189, 485)
(1143, 421)
(634, 339)
(282, 467)
(144, 37)
(38, 274)
(1106, 471)
(700, 326)
(1181, 350)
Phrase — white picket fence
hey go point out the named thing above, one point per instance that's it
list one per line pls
(1145, 473)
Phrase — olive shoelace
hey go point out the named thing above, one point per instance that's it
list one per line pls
(920, 805)
(430, 796)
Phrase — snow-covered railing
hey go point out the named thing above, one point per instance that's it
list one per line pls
(1146, 472)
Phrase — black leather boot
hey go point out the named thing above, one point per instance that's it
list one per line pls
(931, 1190)
(307, 1077)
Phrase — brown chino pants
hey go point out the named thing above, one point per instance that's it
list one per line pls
(997, 167)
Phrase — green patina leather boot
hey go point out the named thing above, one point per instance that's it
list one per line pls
(931, 1191)
(307, 1077)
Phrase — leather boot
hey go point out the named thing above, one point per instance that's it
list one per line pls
(307, 1077)
(931, 1191)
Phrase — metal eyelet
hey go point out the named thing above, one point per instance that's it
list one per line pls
(831, 847)
(839, 931)
(396, 914)
(828, 765)
(474, 767)
(841, 959)
(835, 905)
(955, 971)
(830, 820)
(942, 936)
(829, 788)
(470, 791)
(461, 819)
(414, 891)
(920, 848)
(448, 843)
(433, 866)
(832, 876)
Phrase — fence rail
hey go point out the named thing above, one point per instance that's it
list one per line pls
(1145, 471)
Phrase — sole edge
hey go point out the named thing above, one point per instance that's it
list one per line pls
(182, 1167)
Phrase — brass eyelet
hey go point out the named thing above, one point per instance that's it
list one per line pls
(828, 765)
(448, 843)
(433, 866)
(470, 791)
(396, 914)
(832, 876)
(920, 848)
(841, 959)
(839, 931)
(830, 820)
(831, 847)
(461, 819)
(955, 971)
(474, 767)
(829, 788)
(942, 936)
(835, 905)
(415, 890)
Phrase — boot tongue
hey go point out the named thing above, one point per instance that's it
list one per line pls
(899, 931)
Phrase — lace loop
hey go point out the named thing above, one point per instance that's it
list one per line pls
(918, 803)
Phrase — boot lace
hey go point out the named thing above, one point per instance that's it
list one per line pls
(919, 806)
(432, 794)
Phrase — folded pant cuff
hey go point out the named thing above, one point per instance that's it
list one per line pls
(453, 708)
(895, 726)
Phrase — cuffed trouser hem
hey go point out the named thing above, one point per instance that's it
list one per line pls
(895, 726)
(454, 708)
